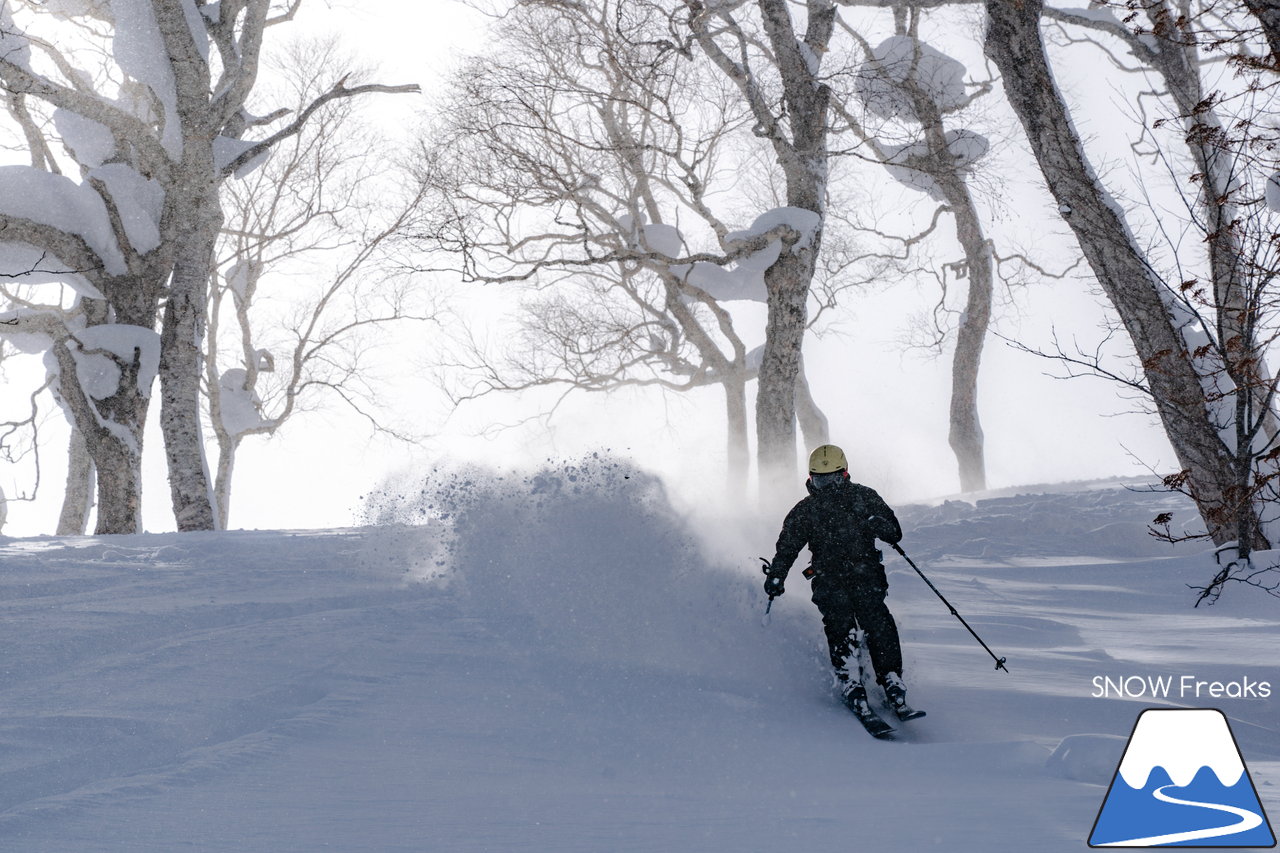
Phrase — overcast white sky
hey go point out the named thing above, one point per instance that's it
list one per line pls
(888, 409)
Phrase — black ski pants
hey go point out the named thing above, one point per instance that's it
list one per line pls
(855, 599)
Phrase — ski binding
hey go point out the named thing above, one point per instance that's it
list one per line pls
(871, 721)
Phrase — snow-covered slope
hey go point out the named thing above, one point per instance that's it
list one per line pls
(554, 663)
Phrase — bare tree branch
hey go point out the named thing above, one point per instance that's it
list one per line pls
(339, 90)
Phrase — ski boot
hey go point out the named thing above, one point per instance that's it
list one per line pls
(854, 696)
(896, 693)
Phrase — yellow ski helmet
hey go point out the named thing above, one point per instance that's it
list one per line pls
(826, 459)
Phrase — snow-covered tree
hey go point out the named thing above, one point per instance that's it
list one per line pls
(97, 233)
(774, 56)
(146, 99)
(589, 157)
(1203, 328)
(312, 232)
(910, 89)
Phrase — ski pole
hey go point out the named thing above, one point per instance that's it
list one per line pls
(999, 661)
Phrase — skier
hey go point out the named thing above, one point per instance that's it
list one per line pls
(840, 521)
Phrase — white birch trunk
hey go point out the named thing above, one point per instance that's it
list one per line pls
(166, 132)
(1176, 58)
(803, 156)
(1243, 374)
(77, 497)
(965, 437)
(193, 219)
(933, 165)
(113, 431)
(814, 425)
(737, 451)
(1013, 43)
(1268, 14)
(180, 372)
(227, 447)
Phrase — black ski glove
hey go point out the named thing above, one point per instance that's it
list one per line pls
(882, 529)
(773, 586)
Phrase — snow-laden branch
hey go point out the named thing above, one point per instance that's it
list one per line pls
(1105, 21)
(741, 248)
(128, 131)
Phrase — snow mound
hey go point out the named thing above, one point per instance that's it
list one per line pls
(663, 239)
(585, 559)
(241, 275)
(226, 150)
(139, 200)
(745, 282)
(1087, 758)
(1108, 523)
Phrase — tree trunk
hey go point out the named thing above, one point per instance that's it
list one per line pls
(194, 216)
(1216, 165)
(119, 489)
(1236, 304)
(788, 287)
(738, 454)
(112, 429)
(803, 159)
(180, 371)
(1268, 14)
(813, 422)
(77, 499)
(227, 447)
(965, 436)
(1013, 44)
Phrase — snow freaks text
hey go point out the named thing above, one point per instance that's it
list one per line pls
(1179, 687)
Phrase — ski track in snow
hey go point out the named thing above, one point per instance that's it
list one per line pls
(558, 665)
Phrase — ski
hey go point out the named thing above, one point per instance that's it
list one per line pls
(871, 721)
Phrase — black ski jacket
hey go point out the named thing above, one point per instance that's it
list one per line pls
(840, 525)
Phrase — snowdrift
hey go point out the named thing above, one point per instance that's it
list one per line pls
(552, 661)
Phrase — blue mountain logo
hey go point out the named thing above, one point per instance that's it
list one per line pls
(1182, 783)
